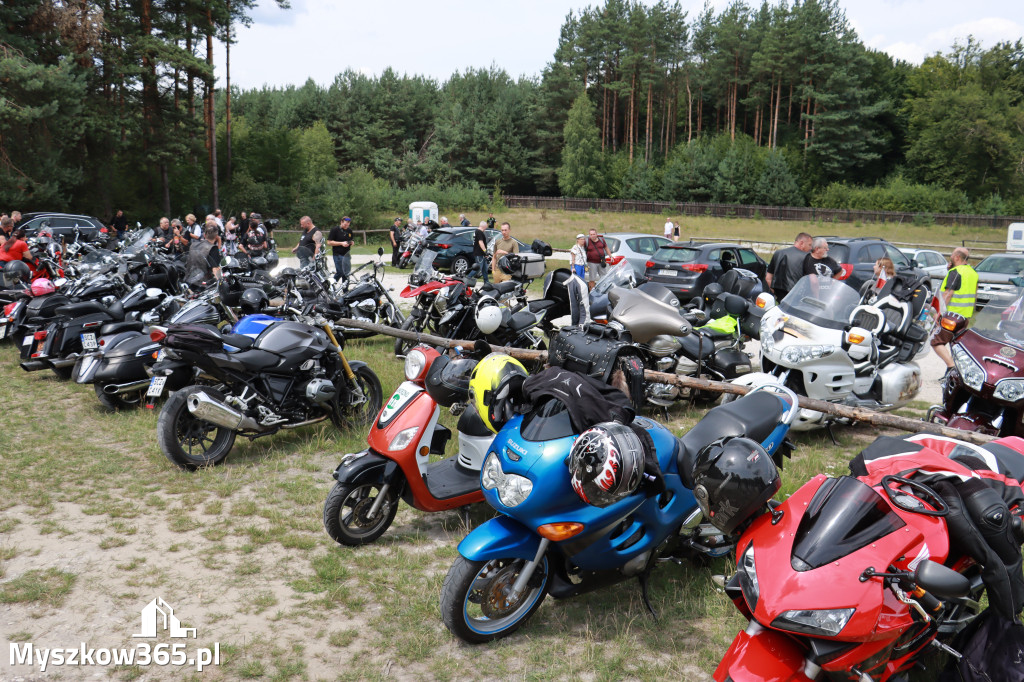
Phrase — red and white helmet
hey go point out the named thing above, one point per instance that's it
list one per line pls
(42, 286)
(606, 463)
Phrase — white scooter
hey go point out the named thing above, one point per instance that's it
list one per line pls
(824, 341)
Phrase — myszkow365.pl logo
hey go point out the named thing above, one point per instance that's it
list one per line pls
(157, 616)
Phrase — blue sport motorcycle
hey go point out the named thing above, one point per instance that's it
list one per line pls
(549, 541)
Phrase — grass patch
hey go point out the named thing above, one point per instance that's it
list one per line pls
(50, 586)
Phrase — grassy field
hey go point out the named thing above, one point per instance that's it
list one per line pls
(95, 523)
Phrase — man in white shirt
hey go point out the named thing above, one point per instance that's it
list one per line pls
(669, 229)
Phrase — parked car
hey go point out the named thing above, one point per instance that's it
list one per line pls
(61, 224)
(686, 268)
(857, 256)
(454, 247)
(994, 274)
(932, 262)
(635, 247)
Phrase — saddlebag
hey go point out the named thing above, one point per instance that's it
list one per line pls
(589, 349)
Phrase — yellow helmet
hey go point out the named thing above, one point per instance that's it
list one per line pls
(487, 376)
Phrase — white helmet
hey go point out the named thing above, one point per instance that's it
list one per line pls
(488, 315)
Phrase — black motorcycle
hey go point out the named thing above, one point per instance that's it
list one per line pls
(290, 375)
(366, 298)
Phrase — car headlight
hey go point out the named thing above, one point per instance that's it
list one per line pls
(817, 622)
(403, 438)
(747, 574)
(1010, 390)
(415, 361)
(797, 354)
(512, 488)
(970, 371)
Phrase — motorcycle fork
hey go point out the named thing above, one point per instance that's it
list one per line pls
(528, 569)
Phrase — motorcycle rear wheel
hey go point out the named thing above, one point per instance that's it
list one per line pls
(344, 415)
(191, 443)
(63, 373)
(474, 606)
(403, 346)
(346, 509)
(119, 401)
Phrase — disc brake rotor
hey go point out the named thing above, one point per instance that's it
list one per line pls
(494, 601)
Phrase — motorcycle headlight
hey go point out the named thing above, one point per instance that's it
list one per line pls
(403, 438)
(1010, 390)
(767, 342)
(512, 488)
(970, 371)
(817, 622)
(797, 354)
(415, 362)
(441, 301)
(747, 572)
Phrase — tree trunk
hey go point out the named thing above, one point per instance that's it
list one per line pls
(689, 110)
(165, 183)
(211, 128)
(227, 92)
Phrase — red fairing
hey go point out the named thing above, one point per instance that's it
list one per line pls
(759, 654)
(433, 285)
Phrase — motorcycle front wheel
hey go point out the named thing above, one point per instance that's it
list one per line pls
(189, 442)
(474, 598)
(403, 346)
(347, 513)
(359, 414)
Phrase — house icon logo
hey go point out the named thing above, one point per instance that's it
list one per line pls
(158, 615)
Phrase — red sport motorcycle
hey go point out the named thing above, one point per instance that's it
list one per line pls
(985, 390)
(856, 577)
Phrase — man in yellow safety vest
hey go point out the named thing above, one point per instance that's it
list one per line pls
(959, 290)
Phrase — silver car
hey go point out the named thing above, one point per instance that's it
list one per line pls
(636, 247)
(994, 275)
(932, 262)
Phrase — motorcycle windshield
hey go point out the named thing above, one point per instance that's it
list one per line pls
(140, 243)
(822, 301)
(621, 275)
(424, 270)
(97, 260)
(1002, 324)
(842, 517)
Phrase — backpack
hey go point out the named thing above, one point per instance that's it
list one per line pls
(993, 651)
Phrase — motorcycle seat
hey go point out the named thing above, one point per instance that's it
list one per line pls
(540, 305)
(79, 309)
(254, 359)
(702, 344)
(500, 288)
(239, 341)
(118, 327)
(753, 416)
(522, 320)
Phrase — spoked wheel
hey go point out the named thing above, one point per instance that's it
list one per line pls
(119, 401)
(475, 603)
(403, 346)
(187, 441)
(347, 513)
(344, 414)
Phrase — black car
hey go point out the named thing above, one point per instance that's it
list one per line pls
(686, 268)
(857, 256)
(61, 225)
(454, 247)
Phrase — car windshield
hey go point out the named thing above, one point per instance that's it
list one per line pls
(1001, 323)
(620, 275)
(843, 516)
(1002, 265)
(676, 254)
(823, 301)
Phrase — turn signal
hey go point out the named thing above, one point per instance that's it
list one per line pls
(948, 324)
(855, 338)
(560, 530)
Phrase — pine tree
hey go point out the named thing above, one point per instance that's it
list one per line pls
(580, 172)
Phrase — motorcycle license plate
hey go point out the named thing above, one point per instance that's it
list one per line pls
(156, 387)
(3, 330)
(667, 273)
(89, 341)
(27, 341)
(160, 355)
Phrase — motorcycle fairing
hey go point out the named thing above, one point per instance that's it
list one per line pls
(764, 655)
(500, 538)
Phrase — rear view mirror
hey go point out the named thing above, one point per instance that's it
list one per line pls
(941, 581)
(380, 250)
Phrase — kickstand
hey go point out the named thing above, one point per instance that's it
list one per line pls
(644, 578)
(828, 429)
(464, 515)
(664, 409)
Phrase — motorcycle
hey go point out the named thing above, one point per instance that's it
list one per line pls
(985, 390)
(290, 375)
(412, 247)
(396, 465)
(856, 577)
(823, 342)
(366, 298)
(425, 284)
(548, 540)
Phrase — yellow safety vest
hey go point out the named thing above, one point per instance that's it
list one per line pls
(963, 299)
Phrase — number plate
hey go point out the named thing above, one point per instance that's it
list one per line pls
(667, 273)
(160, 355)
(3, 331)
(27, 341)
(156, 387)
(89, 341)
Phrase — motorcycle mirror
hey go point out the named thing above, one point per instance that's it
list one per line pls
(941, 581)
(153, 292)
(1017, 281)
(380, 250)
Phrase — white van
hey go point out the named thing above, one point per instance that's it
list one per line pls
(1015, 237)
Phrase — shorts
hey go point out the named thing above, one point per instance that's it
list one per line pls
(595, 271)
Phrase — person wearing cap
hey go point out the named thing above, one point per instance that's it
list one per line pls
(340, 237)
(578, 256)
(395, 235)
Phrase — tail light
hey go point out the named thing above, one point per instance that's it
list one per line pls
(695, 267)
(9, 308)
(40, 335)
(157, 335)
(444, 246)
(649, 264)
(845, 270)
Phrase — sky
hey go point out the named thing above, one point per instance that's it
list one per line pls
(319, 39)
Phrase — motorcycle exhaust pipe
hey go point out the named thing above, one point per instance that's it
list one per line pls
(206, 408)
(116, 389)
(65, 362)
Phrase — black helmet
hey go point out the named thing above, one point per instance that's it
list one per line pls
(16, 271)
(733, 478)
(253, 300)
(508, 264)
(711, 292)
(447, 380)
(606, 463)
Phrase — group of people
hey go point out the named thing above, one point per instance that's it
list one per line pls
(809, 256)
(587, 257)
(13, 246)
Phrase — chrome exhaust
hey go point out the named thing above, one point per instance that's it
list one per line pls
(115, 389)
(208, 409)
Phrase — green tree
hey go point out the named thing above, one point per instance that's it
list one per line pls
(580, 172)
